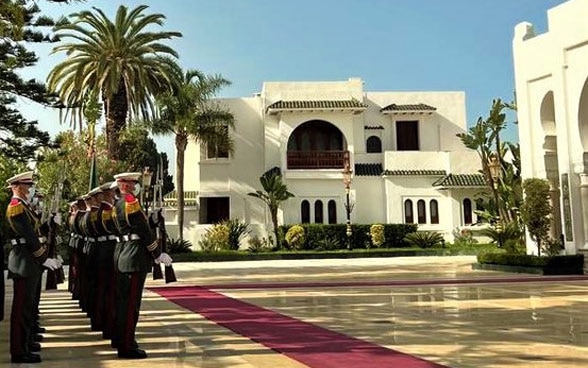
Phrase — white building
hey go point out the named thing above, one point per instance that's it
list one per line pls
(409, 165)
(551, 72)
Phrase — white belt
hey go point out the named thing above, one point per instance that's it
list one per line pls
(18, 241)
(89, 239)
(104, 238)
(130, 237)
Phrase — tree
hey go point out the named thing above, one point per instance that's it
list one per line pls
(274, 193)
(484, 137)
(20, 25)
(536, 210)
(188, 112)
(121, 60)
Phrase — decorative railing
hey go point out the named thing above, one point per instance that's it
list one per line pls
(316, 159)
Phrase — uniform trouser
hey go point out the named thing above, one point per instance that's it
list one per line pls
(91, 287)
(108, 306)
(72, 275)
(37, 302)
(129, 291)
(22, 315)
(2, 282)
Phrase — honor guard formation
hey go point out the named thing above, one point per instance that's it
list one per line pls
(112, 247)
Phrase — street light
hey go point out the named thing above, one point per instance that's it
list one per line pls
(146, 184)
(348, 205)
(496, 173)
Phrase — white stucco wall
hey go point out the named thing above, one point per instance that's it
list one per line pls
(555, 62)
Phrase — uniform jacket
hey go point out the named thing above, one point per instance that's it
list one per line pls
(26, 257)
(133, 255)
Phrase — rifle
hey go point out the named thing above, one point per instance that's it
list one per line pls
(170, 275)
(54, 277)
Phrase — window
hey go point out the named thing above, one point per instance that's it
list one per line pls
(316, 135)
(332, 212)
(217, 146)
(467, 211)
(422, 212)
(374, 145)
(318, 212)
(407, 135)
(434, 208)
(305, 212)
(214, 209)
(408, 215)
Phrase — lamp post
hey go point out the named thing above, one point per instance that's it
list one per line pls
(496, 173)
(348, 205)
(146, 184)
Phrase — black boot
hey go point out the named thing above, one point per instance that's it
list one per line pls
(132, 354)
(30, 358)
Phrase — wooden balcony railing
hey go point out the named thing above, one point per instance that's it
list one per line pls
(316, 159)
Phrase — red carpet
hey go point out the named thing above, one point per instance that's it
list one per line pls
(311, 345)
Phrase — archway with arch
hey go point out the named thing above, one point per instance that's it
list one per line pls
(316, 144)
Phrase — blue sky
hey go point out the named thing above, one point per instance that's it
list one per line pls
(393, 45)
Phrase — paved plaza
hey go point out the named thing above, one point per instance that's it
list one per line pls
(433, 308)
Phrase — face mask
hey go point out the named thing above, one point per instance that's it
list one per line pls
(137, 189)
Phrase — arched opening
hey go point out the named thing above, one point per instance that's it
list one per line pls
(318, 212)
(332, 210)
(467, 211)
(408, 214)
(421, 212)
(305, 212)
(374, 145)
(434, 209)
(316, 144)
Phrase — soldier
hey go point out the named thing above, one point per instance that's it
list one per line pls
(133, 257)
(77, 210)
(89, 224)
(105, 308)
(24, 266)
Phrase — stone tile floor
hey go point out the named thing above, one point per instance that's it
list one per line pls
(488, 324)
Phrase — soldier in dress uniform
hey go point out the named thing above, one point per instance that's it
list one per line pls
(77, 210)
(25, 261)
(133, 258)
(105, 308)
(90, 224)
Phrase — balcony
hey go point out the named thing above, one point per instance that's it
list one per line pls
(298, 160)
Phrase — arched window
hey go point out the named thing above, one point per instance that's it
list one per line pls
(374, 145)
(434, 208)
(318, 212)
(467, 211)
(408, 215)
(332, 212)
(422, 211)
(305, 212)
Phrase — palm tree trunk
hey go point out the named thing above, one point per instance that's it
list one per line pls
(181, 143)
(274, 216)
(117, 109)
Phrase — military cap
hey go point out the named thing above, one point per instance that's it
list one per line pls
(128, 176)
(22, 178)
(94, 191)
(108, 185)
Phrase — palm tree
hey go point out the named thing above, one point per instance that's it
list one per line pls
(121, 60)
(187, 112)
(274, 193)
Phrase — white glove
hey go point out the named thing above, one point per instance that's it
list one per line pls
(60, 260)
(57, 218)
(52, 264)
(164, 258)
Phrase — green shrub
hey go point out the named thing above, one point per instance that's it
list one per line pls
(175, 246)
(329, 243)
(552, 247)
(295, 237)
(257, 244)
(237, 230)
(463, 237)
(425, 239)
(377, 234)
(216, 238)
(530, 260)
(509, 232)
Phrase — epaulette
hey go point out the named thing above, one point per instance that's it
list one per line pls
(131, 204)
(107, 214)
(15, 208)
